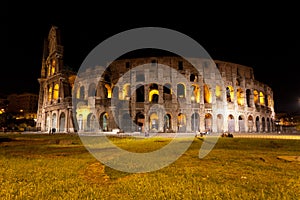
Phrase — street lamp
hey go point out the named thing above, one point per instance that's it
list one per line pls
(277, 126)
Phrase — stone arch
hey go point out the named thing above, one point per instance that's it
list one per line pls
(218, 93)
(181, 122)
(126, 91)
(153, 93)
(115, 93)
(248, 97)
(91, 122)
(257, 124)
(108, 91)
(231, 123)
(62, 122)
(50, 93)
(255, 97)
(250, 124)
(263, 124)
(81, 92)
(167, 92)
(195, 93)
(126, 122)
(140, 121)
(92, 90)
(229, 93)
(207, 94)
(140, 93)
(48, 118)
(208, 122)
(103, 121)
(268, 125)
(180, 90)
(80, 122)
(220, 123)
(153, 121)
(54, 120)
(195, 121)
(167, 123)
(240, 96)
(56, 91)
(242, 124)
(262, 99)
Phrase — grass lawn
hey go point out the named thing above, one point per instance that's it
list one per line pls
(34, 166)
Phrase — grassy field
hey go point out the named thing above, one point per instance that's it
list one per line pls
(34, 166)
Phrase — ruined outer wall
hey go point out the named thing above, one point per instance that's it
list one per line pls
(219, 96)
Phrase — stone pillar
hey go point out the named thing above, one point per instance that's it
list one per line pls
(160, 97)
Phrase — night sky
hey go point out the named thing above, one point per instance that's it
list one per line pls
(263, 37)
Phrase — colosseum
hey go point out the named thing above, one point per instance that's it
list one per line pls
(152, 94)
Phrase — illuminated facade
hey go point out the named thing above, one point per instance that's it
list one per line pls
(142, 94)
(155, 94)
(55, 97)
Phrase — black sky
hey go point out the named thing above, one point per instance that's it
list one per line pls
(263, 37)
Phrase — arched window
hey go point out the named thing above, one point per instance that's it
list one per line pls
(167, 92)
(195, 93)
(50, 94)
(207, 94)
(262, 98)
(140, 93)
(56, 92)
(153, 93)
(81, 92)
(180, 90)
(255, 97)
(116, 92)
(62, 121)
(92, 90)
(248, 93)
(53, 67)
(126, 92)
(229, 93)
(240, 96)
(218, 92)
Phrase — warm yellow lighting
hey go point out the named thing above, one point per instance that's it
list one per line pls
(270, 103)
(78, 93)
(53, 67)
(181, 119)
(192, 98)
(255, 97)
(126, 91)
(56, 92)
(207, 95)
(231, 92)
(196, 93)
(108, 90)
(49, 71)
(50, 94)
(151, 93)
(240, 97)
(21, 110)
(153, 121)
(218, 92)
(262, 98)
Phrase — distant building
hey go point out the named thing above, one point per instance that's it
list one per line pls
(23, 105)
(130, 97)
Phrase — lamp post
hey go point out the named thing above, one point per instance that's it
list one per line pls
(277, 126)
